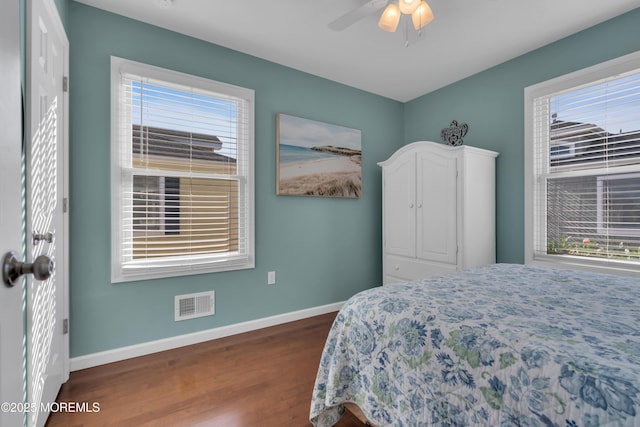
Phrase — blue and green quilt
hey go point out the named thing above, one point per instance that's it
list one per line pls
(501, 345)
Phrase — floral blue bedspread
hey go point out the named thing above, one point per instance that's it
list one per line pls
(502, 345)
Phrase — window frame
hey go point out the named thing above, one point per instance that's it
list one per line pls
(534, 221)
(153, 268)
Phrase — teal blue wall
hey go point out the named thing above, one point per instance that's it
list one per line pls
(61, 5)
(323, 250)
(492, 104)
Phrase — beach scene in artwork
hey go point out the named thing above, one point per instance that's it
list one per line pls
(318, 159)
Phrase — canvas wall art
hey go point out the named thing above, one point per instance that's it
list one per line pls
(317, 159)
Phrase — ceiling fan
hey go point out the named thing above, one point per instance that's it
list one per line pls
(419, 10)
(353, 16)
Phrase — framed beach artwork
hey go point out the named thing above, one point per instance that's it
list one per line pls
(317, 159)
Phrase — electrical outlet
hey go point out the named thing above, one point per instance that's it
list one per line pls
(271, 278)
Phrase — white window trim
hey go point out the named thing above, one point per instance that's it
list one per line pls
(177, 266)
(531, 221)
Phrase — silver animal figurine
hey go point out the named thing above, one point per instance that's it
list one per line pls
(454, 133)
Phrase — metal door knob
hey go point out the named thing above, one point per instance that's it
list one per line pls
(12, 269)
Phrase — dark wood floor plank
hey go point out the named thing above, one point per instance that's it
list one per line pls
(260, 378)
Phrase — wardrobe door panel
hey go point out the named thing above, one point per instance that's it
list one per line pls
(437, 207)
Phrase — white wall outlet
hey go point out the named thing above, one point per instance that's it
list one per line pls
(271, 278)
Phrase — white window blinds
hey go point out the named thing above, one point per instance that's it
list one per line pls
(586, 157)
(182, 174)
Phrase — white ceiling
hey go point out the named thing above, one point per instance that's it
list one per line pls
(466, 36)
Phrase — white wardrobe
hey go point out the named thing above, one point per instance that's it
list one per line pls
(438, 210)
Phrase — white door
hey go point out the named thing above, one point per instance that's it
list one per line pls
(46, 134)
(398, 206)
(11, 319)
(437, 215)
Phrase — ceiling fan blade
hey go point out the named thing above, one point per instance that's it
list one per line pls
(357, 14)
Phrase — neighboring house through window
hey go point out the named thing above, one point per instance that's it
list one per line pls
(582, 168)
(182, 174)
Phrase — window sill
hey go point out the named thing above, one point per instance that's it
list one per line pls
(592, 265)
(139, 271)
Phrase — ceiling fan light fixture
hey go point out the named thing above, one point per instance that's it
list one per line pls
(408, 6)
(422, 15)
(390, 18)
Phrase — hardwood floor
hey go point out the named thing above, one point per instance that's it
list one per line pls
(262, 378)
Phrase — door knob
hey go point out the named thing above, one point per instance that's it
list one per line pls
(12, 269)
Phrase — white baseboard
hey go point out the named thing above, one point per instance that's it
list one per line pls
(123, 353)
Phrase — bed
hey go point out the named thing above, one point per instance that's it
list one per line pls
(501, 345)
